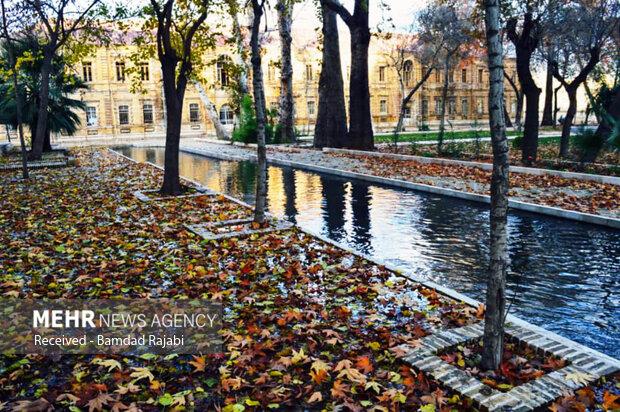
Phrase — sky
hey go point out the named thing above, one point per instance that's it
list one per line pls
(401, 12)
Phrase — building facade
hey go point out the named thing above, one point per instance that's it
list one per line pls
(115, 106)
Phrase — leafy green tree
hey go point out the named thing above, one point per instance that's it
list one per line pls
(59, 23)
(62, 109)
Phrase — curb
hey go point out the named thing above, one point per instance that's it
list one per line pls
(612, 180)
(514, 204)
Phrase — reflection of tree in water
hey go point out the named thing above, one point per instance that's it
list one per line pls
(360, 199)
(455, 241)
(290, 196)
(151, 156)
(522, 241)
(332, 207)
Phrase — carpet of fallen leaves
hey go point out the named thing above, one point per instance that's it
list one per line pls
(607, 163)
(520, 364)
(307, 324)
(571, 194)
(604, 395)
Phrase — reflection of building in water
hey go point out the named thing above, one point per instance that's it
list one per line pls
(112, 108)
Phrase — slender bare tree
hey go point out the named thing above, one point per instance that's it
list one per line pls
(584, 32)
(9, 39)
(258, 7)
(496, 284)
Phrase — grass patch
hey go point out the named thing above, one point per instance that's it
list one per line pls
(419, 137)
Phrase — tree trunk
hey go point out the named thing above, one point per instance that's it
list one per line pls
(360, 123)
(174, 111)
(547, 116)
(556, 109)
(519, 108)
(220, 132)
(529, 150)
(444, 98)
(47, 142)
(610, 114)
(38, 139)
(493, 340)
(242, 77)
(407, 99)
(331, 122)
(568, 121)
(285, 121)
(525, 44)
(519, 113)
(507, 117)
(259, 107)
(18, 99)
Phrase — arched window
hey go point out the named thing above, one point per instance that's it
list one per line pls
(222, 65)
(407, 72)
(226, 115)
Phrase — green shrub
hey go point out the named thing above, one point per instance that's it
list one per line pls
(424, 128)
(517, 142)
(588, 140)
(246, 132)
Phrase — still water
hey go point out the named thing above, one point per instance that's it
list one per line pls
(564, 275)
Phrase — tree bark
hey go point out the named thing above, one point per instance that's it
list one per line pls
(568, 121)
(507, 117)
(519, 94)
(214, 116)
(242, 77)
(360, 122)
(174, 110)
(18, 95)
(259, 107)
(331, 122)
(547, 116)
(571, 90)
(38, 139)
(407, 99)
(606, 126)
(556, 109)
(493, 340)
(525, 44)
(444, 98)
(285, 121)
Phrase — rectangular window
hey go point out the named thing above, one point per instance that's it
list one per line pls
(451, 105)
(144, 72)
(308, 72)
(407, 112)
(147, 113)
(123, 114)
(382, 73)
(480, 75)
(194, 113)
(465, 107)
(437, 76)
(91, 116)
(424, 108)
(438, 105)
(120, 71)
(87, 71)
(451, 76)
(480, 105)
(464, 75)
(311, 108)
(383, 106)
